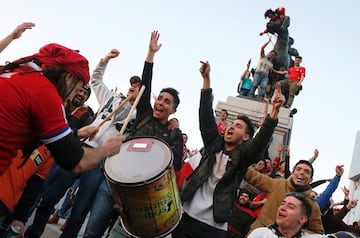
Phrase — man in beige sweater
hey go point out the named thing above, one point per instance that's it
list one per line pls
(277, 188)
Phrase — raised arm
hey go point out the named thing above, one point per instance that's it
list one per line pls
(324, 197)
(112, 54)
(338, 218)
(287, 162)
(144, 105)
(15, 34)
(262, 50)
(205, 73)
(243, 75)
(313, 158)
(154, 46)
(277, 101)
(102, 92)
(207, 121)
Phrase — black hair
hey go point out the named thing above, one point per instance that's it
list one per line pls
(265, 164)
(307, 163)
(305, 205)
(273, 51)
(268, 12)
(224, 110)
(247, 191)
(57, 77)
(173, 93)
(250, 126)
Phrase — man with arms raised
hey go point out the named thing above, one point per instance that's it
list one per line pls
(210, 193)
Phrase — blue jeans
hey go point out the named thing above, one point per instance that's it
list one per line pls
(65, 209)
(102, 212)
(260, 79)
(89, 183)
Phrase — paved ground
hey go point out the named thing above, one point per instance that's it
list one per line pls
(53, 230)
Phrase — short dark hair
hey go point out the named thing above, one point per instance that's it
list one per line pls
(298, 57)
(135, 79)
(307, 163)
(173, 93)
(265, 164)
(224, 110)
(273, 51)
(248, 192)
(250, 126)
(305, 205)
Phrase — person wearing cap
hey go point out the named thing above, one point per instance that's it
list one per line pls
(90, 180)
(209, 196)
(291, 216)
(25, 178)
(34, 90)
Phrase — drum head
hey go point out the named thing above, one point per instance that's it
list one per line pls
(139, 160)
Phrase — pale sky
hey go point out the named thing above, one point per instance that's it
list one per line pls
(226, 33)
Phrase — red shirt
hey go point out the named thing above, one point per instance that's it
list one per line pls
(30, 109)
(296, 73)
(221, 127)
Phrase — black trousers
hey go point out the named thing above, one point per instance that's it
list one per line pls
(192, 228)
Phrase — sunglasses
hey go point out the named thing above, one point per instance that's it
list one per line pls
(297, 195)
(303, 199)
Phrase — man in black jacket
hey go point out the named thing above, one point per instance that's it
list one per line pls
(209, 196)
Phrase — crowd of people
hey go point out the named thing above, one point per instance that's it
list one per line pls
(229, 188)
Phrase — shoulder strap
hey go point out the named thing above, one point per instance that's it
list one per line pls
(143, 121)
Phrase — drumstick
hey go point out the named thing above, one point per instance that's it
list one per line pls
(122, 103)
(132, 110)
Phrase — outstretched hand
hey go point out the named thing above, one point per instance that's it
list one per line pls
(154, 45)
(352, 204)
(346, 191)
(205, 69)
(339, 170)
(205, 73)
(17, 32)
(277, 99)
(280, 147)
(316, 153)
(112, 54)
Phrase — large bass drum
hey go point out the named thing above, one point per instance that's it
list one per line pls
(143, 183)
